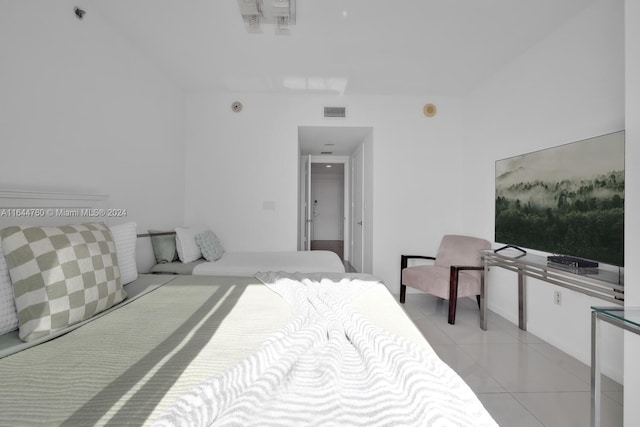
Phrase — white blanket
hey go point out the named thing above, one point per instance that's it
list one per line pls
(250, 263)
(331, 367)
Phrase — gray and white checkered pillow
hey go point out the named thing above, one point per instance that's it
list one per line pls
(61, 275)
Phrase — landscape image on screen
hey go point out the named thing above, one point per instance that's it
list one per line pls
(567, 200)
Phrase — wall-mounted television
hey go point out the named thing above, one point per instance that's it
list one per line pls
(566, 200)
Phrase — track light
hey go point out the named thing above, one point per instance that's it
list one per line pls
(280, 13)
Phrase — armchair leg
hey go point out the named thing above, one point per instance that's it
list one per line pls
(452, 311)
(453, 295)
(403, 288)
(478, 299)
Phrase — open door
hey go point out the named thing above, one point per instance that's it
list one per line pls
(357, 216)
(308, 209)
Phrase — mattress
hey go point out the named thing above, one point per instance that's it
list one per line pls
(251, 263)
(131, 365)
(125, 367)
(11, 343)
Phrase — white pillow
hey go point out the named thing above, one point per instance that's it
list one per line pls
(188, 249)
(8, 313)
(124, 237)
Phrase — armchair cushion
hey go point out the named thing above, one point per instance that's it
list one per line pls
(434, 280)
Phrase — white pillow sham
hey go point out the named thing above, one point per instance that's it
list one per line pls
(188, 249)
(125, 237)
(8, 312)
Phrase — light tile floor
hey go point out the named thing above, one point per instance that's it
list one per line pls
(520, 379)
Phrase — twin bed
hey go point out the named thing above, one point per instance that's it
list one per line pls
(274, 348)
(250, 263)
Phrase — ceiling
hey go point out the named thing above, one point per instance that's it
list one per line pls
(339, 140)
(402, 47)
(336, 47)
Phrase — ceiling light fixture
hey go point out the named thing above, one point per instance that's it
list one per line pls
(281, 13)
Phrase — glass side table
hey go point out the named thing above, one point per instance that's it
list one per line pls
(625, 318)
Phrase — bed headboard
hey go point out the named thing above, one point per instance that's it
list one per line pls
(46, 208)
(51, 209)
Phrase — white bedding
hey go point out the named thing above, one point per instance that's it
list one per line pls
(331, 366)
(251, 263)
(132, 364)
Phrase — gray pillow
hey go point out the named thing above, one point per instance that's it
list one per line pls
(164, 246)
(209, 245)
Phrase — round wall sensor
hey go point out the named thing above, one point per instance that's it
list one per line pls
(429, 110)
(236, 107)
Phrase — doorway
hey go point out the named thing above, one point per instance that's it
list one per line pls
(350, 222)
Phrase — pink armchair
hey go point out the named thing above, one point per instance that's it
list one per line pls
(454, 273)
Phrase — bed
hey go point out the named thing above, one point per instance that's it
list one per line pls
(276, 348)
(131, 365)
(250, 263)
(198, 251)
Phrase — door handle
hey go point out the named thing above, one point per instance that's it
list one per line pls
(359, 222)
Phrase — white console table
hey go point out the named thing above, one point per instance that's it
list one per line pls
(599, 283)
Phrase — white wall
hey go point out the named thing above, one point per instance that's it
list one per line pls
(70, 90)
(236, 161)
(632, 208)
(568, 87)
(81, 111)
(368, 237)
